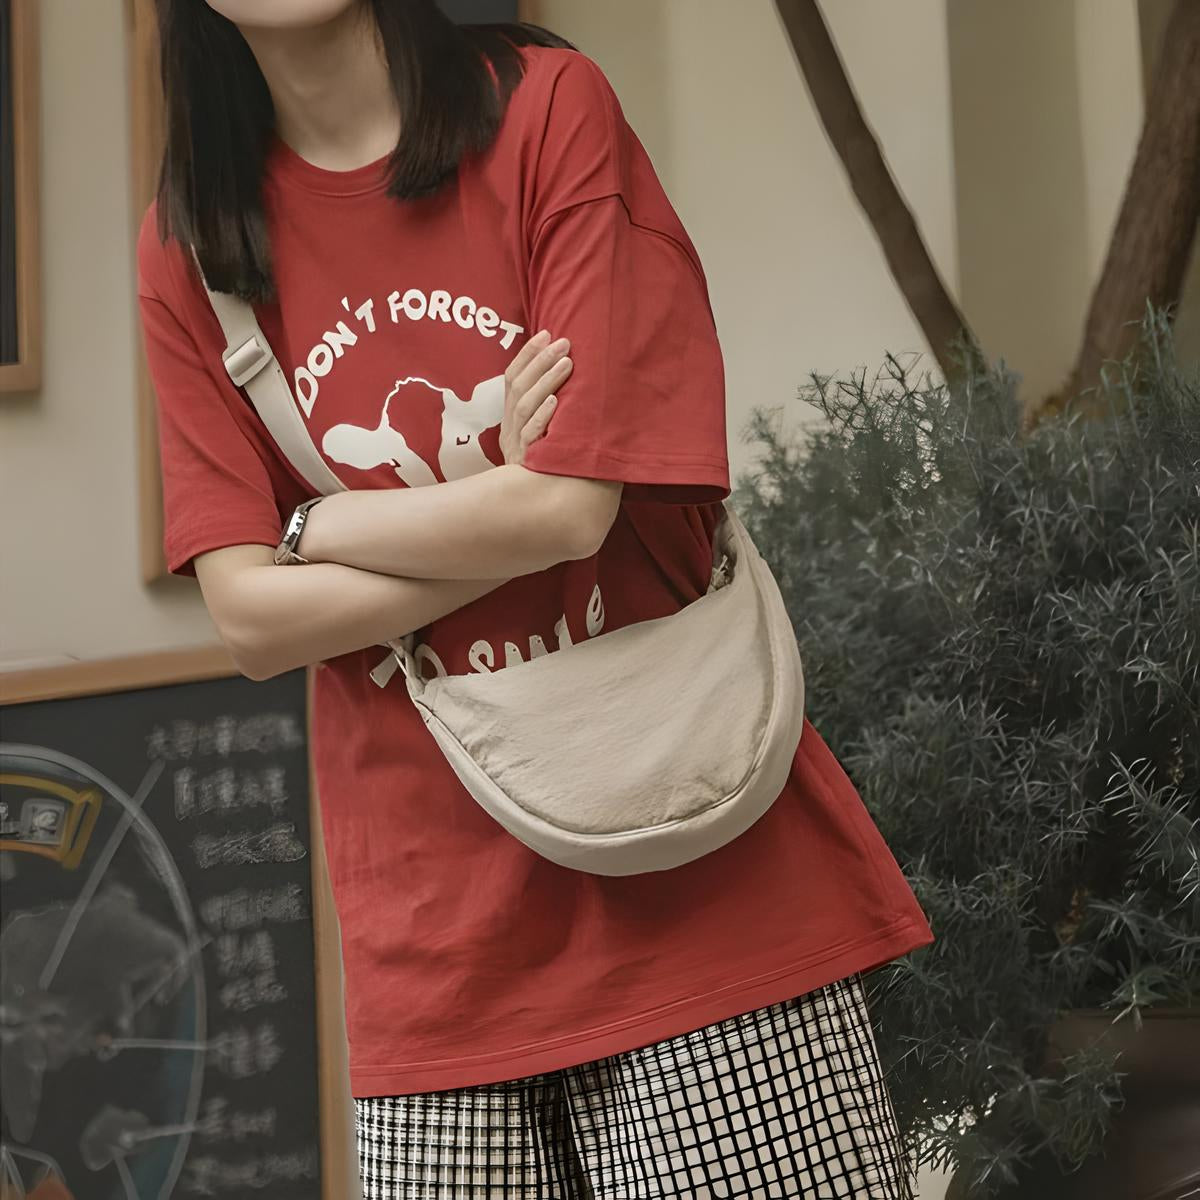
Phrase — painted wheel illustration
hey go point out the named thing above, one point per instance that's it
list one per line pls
(102, 1021)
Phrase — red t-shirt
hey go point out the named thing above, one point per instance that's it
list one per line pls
(469, 958)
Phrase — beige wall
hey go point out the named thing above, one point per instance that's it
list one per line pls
(796, 276)
(1002, 179)
(69, 581)
(1108, 86)
(1047, 102)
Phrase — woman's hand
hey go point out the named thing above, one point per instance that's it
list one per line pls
(538, 368)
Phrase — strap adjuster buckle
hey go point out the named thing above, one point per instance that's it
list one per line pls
(245, 361)
(400, 655)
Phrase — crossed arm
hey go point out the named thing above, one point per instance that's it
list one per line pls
(501, 522)
(385, 562)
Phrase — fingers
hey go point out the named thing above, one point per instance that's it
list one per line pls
(534, 359)
(536, 425)
(542, 388)
(525, 355)
(539, 364)
(538, 369)
(538, 381)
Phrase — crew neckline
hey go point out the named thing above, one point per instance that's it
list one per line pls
(284, 163)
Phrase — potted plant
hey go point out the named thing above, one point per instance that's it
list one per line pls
(1001, 637)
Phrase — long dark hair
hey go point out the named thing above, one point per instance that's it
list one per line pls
(219, 119)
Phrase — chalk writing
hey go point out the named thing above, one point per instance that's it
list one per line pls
(264, 733)
(247, 907)
(226, 789)
(207, 1176)
(218, 1122)
(240, 1052)
(249, 962)
(277, 844)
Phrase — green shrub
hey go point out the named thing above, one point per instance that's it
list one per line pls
(1001, 637)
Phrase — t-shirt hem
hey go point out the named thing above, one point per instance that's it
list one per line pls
(179, 556)
(664, 478)
(566, 456)
(897, 938)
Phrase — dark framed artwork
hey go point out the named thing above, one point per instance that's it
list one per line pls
(20, 292)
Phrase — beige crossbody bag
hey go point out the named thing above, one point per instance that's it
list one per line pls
(638, 750)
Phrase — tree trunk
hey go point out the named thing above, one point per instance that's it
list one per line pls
(907, 256)
(1156, 227)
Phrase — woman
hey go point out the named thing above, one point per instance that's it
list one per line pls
(406, 202)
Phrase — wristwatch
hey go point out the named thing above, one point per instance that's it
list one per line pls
(285, 552)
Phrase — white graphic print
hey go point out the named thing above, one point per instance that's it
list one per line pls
(414, 306)
(460, 453)
(367, 448)
(462, 423)
(482, 657)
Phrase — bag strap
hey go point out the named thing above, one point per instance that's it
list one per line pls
(252, 364)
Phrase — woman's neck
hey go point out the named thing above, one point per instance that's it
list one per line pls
(333, 97)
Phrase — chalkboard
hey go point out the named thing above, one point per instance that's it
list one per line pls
(157, 944)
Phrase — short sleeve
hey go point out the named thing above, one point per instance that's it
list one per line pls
(216, 489)
(612, 269)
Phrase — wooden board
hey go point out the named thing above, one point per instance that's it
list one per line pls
(146, 147)
(22, 83)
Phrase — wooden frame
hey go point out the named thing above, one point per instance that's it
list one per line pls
(25, 374)
(146, 144)
(338, 1157)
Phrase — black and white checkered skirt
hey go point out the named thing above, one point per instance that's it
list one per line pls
(784, 1101)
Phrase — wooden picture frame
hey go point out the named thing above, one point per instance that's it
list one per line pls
(146, 146)
(20, 109)
(98, 677)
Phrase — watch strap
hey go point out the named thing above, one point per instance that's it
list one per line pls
(285, 552)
